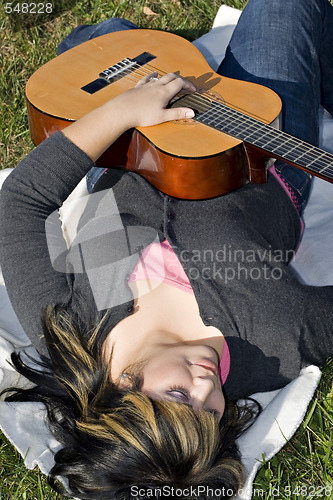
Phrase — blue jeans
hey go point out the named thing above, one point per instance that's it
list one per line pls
(287, 45)
(86, 32)
(283, 44)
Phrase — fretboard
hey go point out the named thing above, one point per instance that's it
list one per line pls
(278, 144)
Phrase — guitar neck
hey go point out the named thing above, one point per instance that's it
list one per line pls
(273, 142)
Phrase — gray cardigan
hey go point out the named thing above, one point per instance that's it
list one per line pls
(235, 250)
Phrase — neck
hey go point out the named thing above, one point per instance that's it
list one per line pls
(176, 321)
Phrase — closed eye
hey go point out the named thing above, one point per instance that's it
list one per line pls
(215, 413)
(179, 393)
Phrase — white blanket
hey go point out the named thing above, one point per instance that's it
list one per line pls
(23, 423)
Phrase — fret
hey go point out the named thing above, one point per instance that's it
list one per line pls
(266, 137)
(283, 148)
(228, 121)
(256, 139)
(314, 161)
(260, 135)
(328, 170)
(308, 156)
(237, 130)
(295, 154)
(322, 163)
(318, 156)
(327, 167)
(273, 144)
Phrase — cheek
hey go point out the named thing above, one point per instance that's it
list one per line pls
(162, 375)
(217, 402)
(153, 375)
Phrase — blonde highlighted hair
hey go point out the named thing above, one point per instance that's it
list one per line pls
(114, 439)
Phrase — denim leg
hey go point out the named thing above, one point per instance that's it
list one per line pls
(286, 45)
(92, 177)
(86, 32)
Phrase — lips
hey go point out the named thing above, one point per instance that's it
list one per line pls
(208, 364)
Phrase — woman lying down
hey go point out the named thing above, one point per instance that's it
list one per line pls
(147, 344)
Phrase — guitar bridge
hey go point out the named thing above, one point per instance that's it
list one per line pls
(117, 71)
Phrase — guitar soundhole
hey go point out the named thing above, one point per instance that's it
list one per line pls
(214, 96)
(185, 121)
(199, 102)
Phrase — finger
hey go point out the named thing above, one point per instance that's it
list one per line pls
(177, 86)
(179, 114)
(147, 78)
(189, 86)
(175, 77)
(169, 77)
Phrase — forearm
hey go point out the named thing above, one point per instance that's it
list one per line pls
(35, 189)
(97, 130)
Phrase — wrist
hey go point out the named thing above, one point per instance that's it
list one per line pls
(122, 112)
(96, 131)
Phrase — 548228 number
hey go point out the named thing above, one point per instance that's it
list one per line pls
(309, 491)
(28, 8)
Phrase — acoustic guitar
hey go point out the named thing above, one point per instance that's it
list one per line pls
(228, 143)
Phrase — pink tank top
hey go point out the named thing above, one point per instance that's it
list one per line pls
(160, 263)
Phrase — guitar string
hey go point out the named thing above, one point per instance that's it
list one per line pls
(200, 97)
(257, 133)
(245, 122)
(305, 151)
(149, 68)
(129, 74)
(275, 133)
(316, 154)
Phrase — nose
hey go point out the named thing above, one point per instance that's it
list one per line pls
(202, 388)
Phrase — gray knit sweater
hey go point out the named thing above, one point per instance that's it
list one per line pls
(235, 250)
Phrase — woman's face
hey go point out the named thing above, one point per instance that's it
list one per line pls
(185, 373)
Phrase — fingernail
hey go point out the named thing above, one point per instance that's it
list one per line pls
(190, 113)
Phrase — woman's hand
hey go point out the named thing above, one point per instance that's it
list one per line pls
(144, 105)
(147, 102)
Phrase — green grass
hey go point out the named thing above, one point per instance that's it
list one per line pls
(306, 461)
(27, 42)
(19, 483)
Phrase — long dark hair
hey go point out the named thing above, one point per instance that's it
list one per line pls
(115, 440)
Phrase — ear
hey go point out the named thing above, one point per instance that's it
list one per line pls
(125, 382)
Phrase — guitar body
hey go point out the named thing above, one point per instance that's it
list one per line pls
(186, 158)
